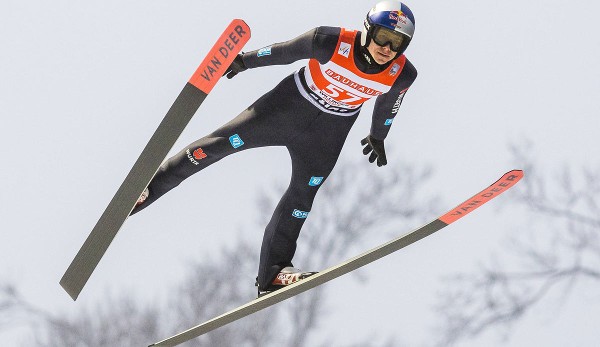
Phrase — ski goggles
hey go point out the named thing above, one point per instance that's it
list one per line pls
(384, 36)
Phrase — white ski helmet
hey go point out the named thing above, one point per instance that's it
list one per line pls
(389, 22)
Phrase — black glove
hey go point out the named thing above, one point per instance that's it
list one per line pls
(236, 67)
(376, 148)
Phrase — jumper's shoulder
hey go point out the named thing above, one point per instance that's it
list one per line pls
(325, 36)
(324, 41)
(328, 31)
(409, 71)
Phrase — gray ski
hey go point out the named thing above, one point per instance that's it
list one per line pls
(207, 74)
(504, 183)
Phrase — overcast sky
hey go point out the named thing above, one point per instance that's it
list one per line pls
(84, 84)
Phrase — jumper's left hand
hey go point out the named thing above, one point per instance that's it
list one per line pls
(376, 148)
(236, 67)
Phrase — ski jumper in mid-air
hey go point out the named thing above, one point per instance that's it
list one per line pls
(310, 112)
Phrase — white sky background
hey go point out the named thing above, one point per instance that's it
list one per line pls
(83, 86)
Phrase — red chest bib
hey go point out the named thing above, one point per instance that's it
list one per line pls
(338, 86)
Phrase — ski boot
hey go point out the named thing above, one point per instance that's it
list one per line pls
(285, 277)
(142, 197)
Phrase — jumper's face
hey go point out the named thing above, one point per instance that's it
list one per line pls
(381, 54)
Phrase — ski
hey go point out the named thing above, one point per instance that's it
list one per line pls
(503, 184)
(203, 80)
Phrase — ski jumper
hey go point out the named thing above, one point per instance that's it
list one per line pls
(310, 113)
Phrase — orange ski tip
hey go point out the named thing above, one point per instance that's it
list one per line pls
(221, 55)
(505, 182)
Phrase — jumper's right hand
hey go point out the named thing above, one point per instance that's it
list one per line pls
(236, 67)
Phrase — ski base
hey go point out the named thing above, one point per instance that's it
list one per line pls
(205, 77)
(504, 183)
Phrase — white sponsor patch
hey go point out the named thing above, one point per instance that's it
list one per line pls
(344, 49)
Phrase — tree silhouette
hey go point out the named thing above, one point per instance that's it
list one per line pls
(354, 203)
(559, 246)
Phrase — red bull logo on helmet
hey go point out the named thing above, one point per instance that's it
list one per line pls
(399, 17)
(392, 15)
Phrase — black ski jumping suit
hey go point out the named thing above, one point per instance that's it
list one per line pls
(310, 112)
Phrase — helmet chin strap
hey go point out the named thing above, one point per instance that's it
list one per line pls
(366, 55)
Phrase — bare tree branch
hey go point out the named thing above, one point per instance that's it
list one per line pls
(350, 209)
(564, 210)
